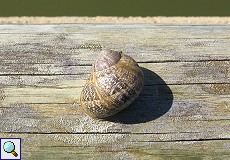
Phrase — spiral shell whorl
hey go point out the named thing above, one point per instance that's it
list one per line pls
(112, 86)
(106, 59)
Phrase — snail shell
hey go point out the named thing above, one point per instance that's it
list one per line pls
(115, 82)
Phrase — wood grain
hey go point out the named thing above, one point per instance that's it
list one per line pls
(182, 112)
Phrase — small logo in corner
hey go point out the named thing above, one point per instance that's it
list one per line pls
(10, 148)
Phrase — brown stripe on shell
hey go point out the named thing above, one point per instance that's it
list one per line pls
(97, 109)
(89, 93)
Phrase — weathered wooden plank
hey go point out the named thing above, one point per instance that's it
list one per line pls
(70, 44)
(117, 146)
(171, 72)
(51, 109)
(183, 111)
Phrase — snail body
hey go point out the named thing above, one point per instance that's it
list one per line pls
(115, 82)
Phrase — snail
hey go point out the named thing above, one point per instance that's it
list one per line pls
(115, 82)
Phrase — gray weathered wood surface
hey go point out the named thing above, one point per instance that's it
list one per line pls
(182, 113)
